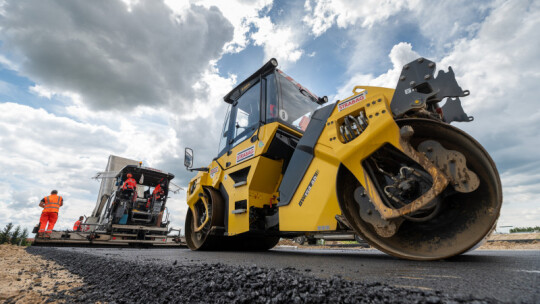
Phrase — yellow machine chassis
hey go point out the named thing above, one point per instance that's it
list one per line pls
(314, 205)
(383, 164)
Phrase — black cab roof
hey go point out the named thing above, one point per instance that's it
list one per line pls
(151, 176)
(246, 84)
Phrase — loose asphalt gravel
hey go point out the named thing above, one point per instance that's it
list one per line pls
(117, 281)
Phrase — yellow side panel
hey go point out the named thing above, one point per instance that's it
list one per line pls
(260, 189)
(314, 205)
(237, 223)
(265, 176)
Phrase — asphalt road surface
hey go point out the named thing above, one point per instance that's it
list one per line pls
(504, 275)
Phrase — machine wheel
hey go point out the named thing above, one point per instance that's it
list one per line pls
(202, 240)
(269, 242)
(300, 240)
(463, 219)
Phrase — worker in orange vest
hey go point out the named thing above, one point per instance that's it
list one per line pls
(51, 205)
(157, 193)
(77, 226)
(159, 190)
(130, 183)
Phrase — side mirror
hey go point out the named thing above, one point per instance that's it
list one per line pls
(322, 100)
(188, 161)
(188, 158)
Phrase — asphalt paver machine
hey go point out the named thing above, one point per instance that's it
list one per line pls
(124, 216)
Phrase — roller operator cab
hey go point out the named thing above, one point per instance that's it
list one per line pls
(382, 163)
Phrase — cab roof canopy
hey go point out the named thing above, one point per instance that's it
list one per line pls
(246, 84)
(151, 176)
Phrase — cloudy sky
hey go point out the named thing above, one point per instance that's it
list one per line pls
(80, 80)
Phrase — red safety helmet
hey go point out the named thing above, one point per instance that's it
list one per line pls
(129, 175)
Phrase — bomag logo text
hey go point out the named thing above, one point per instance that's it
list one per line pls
(308, 189)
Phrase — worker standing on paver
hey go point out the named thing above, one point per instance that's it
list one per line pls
(51, 205)
(129, 187)
(130, 183)
(77, 226)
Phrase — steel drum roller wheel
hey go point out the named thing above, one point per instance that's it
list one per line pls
(202, 240)
(464, 220)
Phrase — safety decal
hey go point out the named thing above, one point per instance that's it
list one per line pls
(308, 189)
(245, 154)
(213, 172)
(351, 101)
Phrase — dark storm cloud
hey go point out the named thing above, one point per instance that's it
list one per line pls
(113, 57)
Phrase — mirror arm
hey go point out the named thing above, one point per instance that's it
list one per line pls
(203, 169)
(259, 125)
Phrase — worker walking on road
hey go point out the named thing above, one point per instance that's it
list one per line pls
(77, 226)
(51, 205)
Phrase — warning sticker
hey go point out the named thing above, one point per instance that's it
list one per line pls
(245, 154)
(352, 101)
(214, 171)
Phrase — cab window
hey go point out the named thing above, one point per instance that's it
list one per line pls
(297, 103)
(224, 132)
(246, 111)
(271, 98)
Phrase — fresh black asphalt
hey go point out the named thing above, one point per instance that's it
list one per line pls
(288, 275)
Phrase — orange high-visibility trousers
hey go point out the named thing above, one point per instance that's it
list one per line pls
(47, 217)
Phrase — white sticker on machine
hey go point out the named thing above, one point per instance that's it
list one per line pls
(245, 154)
(213, 171)
(351, 101)
(283, 115)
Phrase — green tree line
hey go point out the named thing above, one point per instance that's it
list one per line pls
(15, 236)
(525, 229)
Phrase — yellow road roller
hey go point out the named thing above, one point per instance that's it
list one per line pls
(383, 163)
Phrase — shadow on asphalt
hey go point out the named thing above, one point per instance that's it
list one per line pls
(480, 257)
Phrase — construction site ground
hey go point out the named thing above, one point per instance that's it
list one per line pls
(290, 273)
(28, 278)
